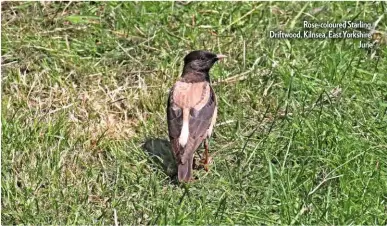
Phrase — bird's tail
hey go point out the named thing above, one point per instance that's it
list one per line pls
(185, 170)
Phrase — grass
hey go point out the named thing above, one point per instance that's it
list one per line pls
(301, 136)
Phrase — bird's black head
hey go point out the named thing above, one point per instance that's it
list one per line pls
(197, 65)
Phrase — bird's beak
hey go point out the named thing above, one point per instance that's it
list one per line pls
(220, 56)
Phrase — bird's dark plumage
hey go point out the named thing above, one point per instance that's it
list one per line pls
(191, 110)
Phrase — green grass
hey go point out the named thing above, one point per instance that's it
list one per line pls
(301, 136)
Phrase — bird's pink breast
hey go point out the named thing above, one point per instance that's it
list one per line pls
(191, 95)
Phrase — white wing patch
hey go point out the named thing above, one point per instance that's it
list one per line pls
(213, 120)
(184, 134)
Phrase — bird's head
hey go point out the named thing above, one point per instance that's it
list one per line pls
(199, 63)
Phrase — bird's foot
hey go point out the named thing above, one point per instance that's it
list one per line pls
(205, 162)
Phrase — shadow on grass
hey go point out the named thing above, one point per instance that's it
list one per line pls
(161, 154)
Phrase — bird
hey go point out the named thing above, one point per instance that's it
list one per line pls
(192, 111)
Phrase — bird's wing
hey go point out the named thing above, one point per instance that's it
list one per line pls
(199, 123)
(201, 116)
(175, 122)
(200, 99)
(174, 117)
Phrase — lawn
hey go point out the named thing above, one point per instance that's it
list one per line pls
(301, 135)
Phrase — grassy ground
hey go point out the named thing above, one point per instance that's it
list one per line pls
(301, 136)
